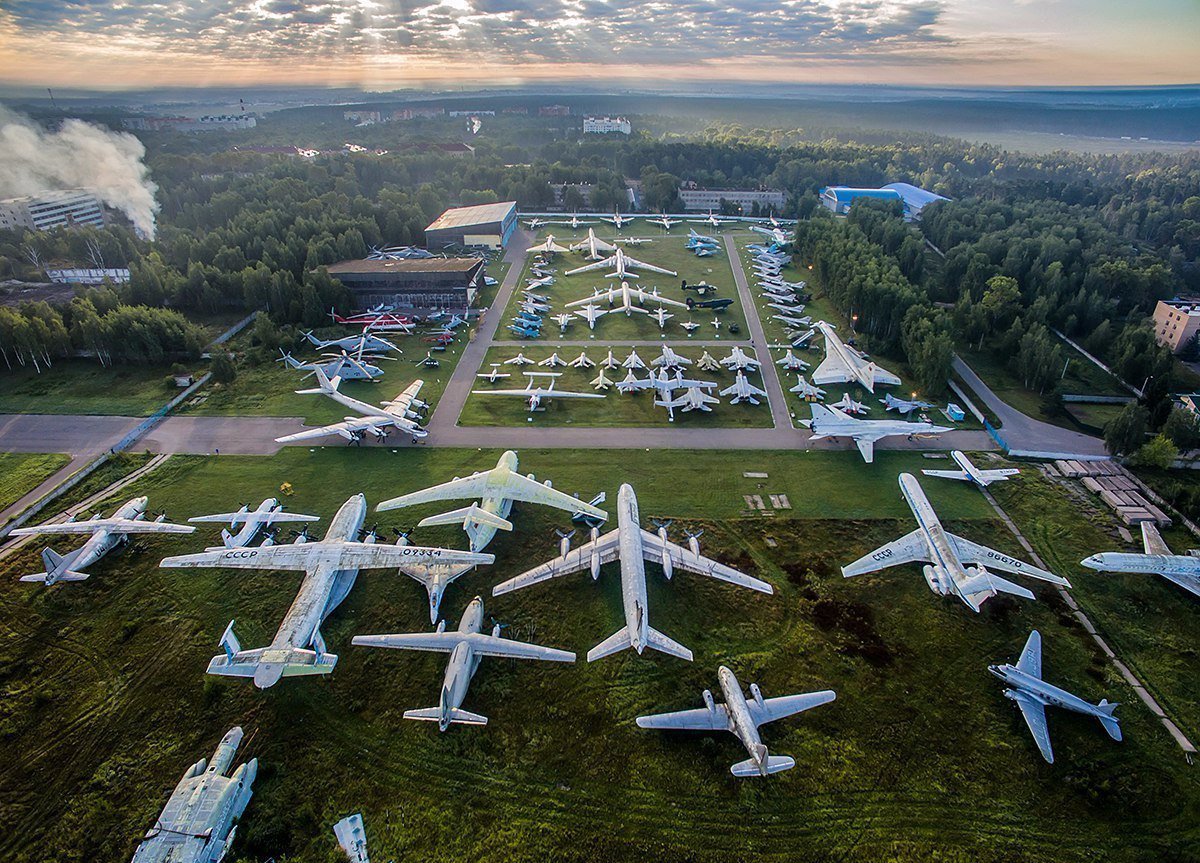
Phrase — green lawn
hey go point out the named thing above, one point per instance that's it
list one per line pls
(1096, 416)
(86, 387)
(616, 409)
(21, 473)
(919, 758)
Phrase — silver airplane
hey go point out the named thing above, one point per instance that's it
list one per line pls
(622, 265)
(402, 412)
(1180, 569)
(617, 219)
(595, 247)
(356, 367)
(741, 717)
(791, 362)
(947, 557)
(1033, 695)
(591, 313)
(830, 421)
(627, 299)
(104, 534)
(547, 246)
(972, 474)
(742, 390)
(661, 316)
(601, 381)
(269, 512)
(843, 364)
(563, 320)
(664, 221)
(668, 359)
(739, 359)
(197, 824)
(467, 646)
(535, 394)
(805, 390)
(693, 398)
(583, 361)
(632, 546)
(330, 567)
(710, 219)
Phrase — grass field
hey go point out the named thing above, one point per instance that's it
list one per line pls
(86, 387)
(920, 758)
(21, 473)
(1096, 416)
(616, 409)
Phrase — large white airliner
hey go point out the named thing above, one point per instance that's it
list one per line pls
(1181, 569)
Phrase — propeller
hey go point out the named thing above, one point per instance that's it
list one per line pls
(661, 523)
(299, 535)
(368, 534)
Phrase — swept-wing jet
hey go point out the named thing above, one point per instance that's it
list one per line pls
(534, 224)
(849, 405)
(710, 219)
(467, 646)
(970, 473)
(553, 361)
(610, 362)
(563, 320)
(626, 299)
(364, 341)
(494, 375)
(525, 331)
(661, 316)
(632, 546)
(591, 313)
(341, 365)
(574, 223)
(330, 567)
(594, 247)
(741, 717)
(617, 219)
(662, 383)
(601, 382)
(791, 362)
(691, 399)
(198, 823)
(103, 535)
(843, 364)
(633, 361)
(547, 246)
(401, 412)
(664, 221)
(903, 406)
(694, 239)
(533, 307)
(540, 282)
(1033, 695)
(742, 390)
(269, 512)
(777, 235)
(708, 363)
(519, 360)
(739, 359)
(829, 421)
(622, 267)
(1181, 569)
(947, 557)
(583, 361)
(534, 393)
(793, 321)
(496, 489)
(790, 309)
(806, 390)
(668, 359)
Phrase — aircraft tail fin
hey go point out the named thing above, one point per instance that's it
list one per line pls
(1107, 719)
(472, 513)
(666, 645)
(763, 764)
(619, 640)
(325, 384)
(457, 716)
(58, 568)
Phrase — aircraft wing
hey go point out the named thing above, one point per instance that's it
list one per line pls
(299, 557)
(603, 295)
(909, 548)
(947, 474)
(523, 393)
(787, 705)
(349, 427)
(972, 552)
(475, 485)
(683, 558)
(491, 645)
(607, 546)
(866, 446)
(567, 394)
(113, 525)
(1188, 584)
(520, 487)
(404, 401)
(699, 719)
(832, 370)
(1151, 539)
(1031, 657)
(641, 265)
(1035, 717)
(587, 268)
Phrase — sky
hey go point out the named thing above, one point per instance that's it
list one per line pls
(390, 44)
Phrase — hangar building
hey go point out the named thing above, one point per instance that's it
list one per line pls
(839, 198)
(420, 285)
(489, 225)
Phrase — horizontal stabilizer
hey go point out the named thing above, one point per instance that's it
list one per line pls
(267, 665)
(466, 515)
(43, 577)
(58, 568)
(775, 764)
(434, 714)
(1108, 720)
(979, 588)
(663, 644)
(619, 640)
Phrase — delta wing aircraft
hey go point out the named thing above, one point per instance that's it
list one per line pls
(1181, 569)
(843, 364)
(622, 266)
(741, 717)
(947, 557)
(104, 534)
(534, 393)
(269, 512)
(1033, 695)
(595, 247)
(330, 567)
(401, 412)
(467, 646)
(970, 473)
(830, 421)
(632, 546)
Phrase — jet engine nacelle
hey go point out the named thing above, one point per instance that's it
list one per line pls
(936, 578)
(496, 631)
(595, 555)
(441, 626)
(708, 701)
(756, 694)
(694, 542)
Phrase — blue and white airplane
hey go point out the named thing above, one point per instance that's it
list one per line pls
(1033, 695)
(970, 473)
(525, 331)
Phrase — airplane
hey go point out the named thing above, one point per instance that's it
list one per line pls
(541, 282)
(574, 223)
(628, 297)
(582, 362)
(563, 320)
(634, 241)
(664, 221)
(601, 382)
(525, 330)
(843, 364)
(633, 361)
(694, 239)
(742, 718)
(693, 398)
(970, 473)
(661, 382)
(904, 406)
(806, 390)
(330, 567)
(528, 319)
(632, 546)
(376, 319)
(200, 819)
(467, 646)
(591, 313)
(710, 219)
(428, 361)
(630, 383)
(547, 246)
(553, 360)
(690, 326)
(791, 362)
(788, 308)
(534, 393)
(782, 284)
(799, 340)
(534, 224)
(340, 365)
(704, 251)
(610, 362)
(738, 359)
(777, 235)
(849, 405)
(351, 837)
(829, 421)
(439, 339)
(269, 512)
(742, 390)
(401, 412)
(717, 305)
(661, 316)
(496, 488)
(668, 359)
(947, 557)
(622, 266)
(618, 220)
(364, 341)
(1033, 695)
(701, 288)
(494, 375)
(595, 247)
(708, 363)
(453, 322)
(1181, 569)
(794, 323)
(519, 360)
(533, 307)
(104, 534)
(537, 298)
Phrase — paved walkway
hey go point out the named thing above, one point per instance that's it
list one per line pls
(77, 435)
(1022, 432)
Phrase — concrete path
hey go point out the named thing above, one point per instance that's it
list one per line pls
(1022, 432)
(198, 435)
(75, 435)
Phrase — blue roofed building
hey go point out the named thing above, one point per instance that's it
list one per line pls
(838, 199)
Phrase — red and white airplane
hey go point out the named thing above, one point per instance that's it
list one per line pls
(376, 320)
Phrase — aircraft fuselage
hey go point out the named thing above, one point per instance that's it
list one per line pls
(740, 721)
(633, 568)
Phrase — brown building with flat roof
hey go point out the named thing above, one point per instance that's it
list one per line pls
(416, 284)
(1176, 322)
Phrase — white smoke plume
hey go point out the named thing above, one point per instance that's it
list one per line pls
(78, 155)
